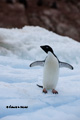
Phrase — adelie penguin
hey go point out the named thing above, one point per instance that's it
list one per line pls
(51, 69)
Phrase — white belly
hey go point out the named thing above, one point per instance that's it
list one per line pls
(51, 72)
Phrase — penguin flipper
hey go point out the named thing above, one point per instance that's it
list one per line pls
(63, 64)
(37, 63)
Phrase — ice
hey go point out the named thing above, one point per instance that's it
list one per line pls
(25, 44)
(20, 47)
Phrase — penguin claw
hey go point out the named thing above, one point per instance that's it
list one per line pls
(54, 91)
(44, 90)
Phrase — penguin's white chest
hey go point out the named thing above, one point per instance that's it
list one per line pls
(51, 72)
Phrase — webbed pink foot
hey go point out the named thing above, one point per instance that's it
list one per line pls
(44, 90)
(54, 91)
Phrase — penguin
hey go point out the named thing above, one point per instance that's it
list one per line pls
(51, 69)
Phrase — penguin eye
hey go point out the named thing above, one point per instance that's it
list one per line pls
(47, 47)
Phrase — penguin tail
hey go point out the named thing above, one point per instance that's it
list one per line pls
(40, 86)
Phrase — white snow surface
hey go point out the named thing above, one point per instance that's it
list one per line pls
(20, 47)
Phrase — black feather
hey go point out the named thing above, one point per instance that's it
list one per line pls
(40, 86)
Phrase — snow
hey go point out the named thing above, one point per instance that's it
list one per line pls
(20, 47)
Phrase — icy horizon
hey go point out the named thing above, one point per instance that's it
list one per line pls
(25, 44)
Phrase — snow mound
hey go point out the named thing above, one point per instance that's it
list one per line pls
(18, 48)
(25, 44)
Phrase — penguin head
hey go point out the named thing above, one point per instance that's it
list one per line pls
(47, 48)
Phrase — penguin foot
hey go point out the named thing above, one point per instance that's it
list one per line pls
(44, 90)
(54, 91)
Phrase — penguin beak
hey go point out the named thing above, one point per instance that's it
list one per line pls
(43, 48)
